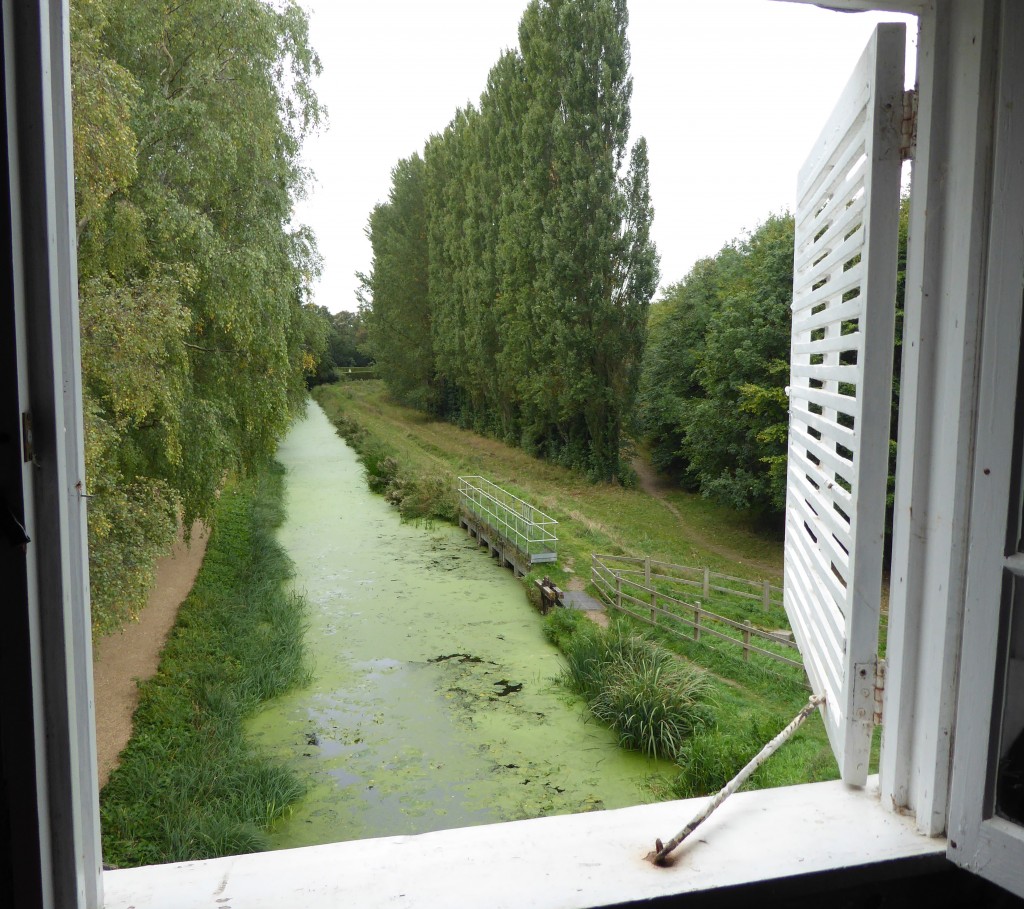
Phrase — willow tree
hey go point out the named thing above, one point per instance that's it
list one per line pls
(188, 119)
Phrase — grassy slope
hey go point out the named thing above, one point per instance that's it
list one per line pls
(595, 518)
(189, 786)
(752, 703)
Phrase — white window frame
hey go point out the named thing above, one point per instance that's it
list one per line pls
(38, 111)
(979, 840)
(951, 268)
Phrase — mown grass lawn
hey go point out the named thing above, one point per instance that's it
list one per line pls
(752, 702)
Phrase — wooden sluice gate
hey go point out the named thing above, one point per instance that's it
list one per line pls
(515, 533)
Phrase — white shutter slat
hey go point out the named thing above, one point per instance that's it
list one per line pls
(831, 466)
(810, 318)
(844, 279)
(823, 559)
(848, 374)
(846, 404)
(827, 652)
(828, 428)
(848, 280)
(822, 517)
(842, 230)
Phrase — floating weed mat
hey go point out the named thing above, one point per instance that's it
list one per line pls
(189, 785)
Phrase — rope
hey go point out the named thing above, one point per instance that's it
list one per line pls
(663, 850)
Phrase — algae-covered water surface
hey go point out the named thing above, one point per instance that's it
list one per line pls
(432, 702)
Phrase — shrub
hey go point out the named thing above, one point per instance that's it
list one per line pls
(381, 469)
(424, 496)
(562, 624)
(652, 699)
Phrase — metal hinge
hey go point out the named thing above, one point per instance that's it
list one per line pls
(908, 126)
(880, 667)
(868, 691)
(28, 448)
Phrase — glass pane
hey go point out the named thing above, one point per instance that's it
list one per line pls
(1015, 520)
(1010, 777)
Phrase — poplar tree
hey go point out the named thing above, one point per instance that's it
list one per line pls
(540, 262)
(399, 320)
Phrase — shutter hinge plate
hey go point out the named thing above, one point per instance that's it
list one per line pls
(868, 691)
(908, 126)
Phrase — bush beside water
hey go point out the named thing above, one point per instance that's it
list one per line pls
(653, 700)
(415, 495)
(661, 704)
(189, 785)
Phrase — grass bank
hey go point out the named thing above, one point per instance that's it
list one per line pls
(752, 703)
(189, 786)
(594, 517)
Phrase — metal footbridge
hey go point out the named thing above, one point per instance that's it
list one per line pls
(517, 534)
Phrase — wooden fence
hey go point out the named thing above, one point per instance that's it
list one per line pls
(646, 590)
(356, 372)
(707, 581)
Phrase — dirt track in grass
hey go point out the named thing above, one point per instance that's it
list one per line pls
(124, 658)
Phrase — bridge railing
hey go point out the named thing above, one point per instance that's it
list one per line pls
(530, 530)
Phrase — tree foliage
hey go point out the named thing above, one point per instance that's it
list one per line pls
(188, 120)
(513, 264)
(712, 395)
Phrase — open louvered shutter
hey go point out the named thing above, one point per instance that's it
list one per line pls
(844, 285)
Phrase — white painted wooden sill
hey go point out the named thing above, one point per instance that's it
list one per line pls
(574, 861)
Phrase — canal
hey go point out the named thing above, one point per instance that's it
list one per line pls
(432, 701)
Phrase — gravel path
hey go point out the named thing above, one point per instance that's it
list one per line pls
(123, 659)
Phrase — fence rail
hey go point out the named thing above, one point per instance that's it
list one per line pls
(527, 528)
(708, 581)
(628, 585)
(356, 372)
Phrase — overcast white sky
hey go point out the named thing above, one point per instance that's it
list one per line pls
(729, 93)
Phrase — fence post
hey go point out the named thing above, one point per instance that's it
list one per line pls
(647, 583)
(696, 622)
(707, 583)
(746, 642)
(618, 591)
(766, 596)
(593, 567)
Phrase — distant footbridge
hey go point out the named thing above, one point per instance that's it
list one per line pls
(516, 533)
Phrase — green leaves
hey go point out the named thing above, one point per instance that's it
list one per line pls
(524, 312)
(188, 120)
(713, 398)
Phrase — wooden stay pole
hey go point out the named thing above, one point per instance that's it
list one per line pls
(663, 850)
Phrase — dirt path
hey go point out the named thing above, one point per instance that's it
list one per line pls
(124, 658)
(656, 487)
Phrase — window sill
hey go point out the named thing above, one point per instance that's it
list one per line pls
(580, 860)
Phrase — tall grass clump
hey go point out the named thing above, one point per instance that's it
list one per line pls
(653, 700)
(189, 785)
(708, 761)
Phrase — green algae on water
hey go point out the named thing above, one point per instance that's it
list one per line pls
(433, 702)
